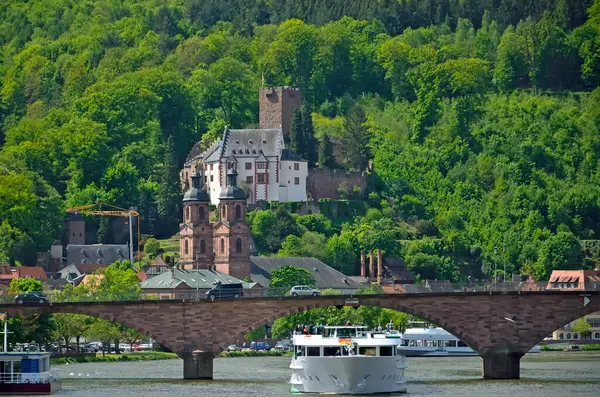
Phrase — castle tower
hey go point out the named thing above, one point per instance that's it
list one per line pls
(231, 233)
(196, 234)
(276, 108)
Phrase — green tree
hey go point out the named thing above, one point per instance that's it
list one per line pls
(325, 153)
(342, 252)
(582, 327)
(168, 197)
(510, 71)
(152, 248)
(70, 326)
(286, 277)
(355, 139)
(103, 331)
(24, 285)
(561, 251)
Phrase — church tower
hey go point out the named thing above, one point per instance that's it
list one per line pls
(231, 233)
(196, 233)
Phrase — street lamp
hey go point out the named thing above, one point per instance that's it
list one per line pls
(495, 266)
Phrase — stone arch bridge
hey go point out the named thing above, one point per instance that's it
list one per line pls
(500, 326)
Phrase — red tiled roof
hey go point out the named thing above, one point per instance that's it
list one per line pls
(30, 271)
(142, 276)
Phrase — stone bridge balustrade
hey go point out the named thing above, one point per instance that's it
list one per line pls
(500, 326)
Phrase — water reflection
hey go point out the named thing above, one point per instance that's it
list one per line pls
(548, 373)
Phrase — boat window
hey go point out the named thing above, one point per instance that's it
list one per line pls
(404, 342)
(299, 351)
(367, 351)
(332, 351)
(313, 351)
(346, 332)
(386, 350)
(461, 344)
(450, 343)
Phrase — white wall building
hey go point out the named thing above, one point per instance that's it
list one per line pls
(266, 169)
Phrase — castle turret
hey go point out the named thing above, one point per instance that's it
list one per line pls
(196, 234)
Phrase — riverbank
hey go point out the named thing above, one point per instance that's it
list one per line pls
(133, 356)
(253, 353)
(563, 346)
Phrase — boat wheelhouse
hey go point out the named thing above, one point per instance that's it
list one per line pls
(347, 360)
(27, 373)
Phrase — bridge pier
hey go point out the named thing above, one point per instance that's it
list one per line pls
(502, 365)
(198, 365)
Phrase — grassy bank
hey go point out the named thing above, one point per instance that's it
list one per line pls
(561, 347)
(252, 353)
(133, 356)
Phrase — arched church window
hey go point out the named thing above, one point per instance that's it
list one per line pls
(238, 211)
(186, 247)
(201, 213)
(187, 213)
(222, 245)
(202, 247)
(238, 245)
(223, 212)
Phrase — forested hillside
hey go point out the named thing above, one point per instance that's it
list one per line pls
(482, 119)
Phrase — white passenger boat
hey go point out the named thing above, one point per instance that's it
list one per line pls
(436, 342)
(347, 360)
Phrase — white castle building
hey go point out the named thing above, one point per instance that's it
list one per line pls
(266, 169)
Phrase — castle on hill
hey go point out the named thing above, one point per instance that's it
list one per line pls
(266, 169)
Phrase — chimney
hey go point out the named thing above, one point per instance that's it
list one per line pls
(379, 266)
(371, 265)
(363, 265)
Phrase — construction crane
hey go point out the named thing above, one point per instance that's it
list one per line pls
(96, 209)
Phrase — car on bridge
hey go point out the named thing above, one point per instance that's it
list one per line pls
(32, 297)
(305, 290)
(225, 291)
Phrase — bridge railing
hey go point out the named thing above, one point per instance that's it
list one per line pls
(408, 289)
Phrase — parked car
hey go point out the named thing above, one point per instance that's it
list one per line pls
(260, 346)
(225, 291)
(32, 297)
(233, 348)
(572, 348)
(304, 290)
(284, 345)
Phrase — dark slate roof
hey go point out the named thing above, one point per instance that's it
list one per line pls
(96, 253)
(439, 285)
(73, 271)
(325, 276)
(252, 141)
(195, 152)
(395, 269)
(290, 155)
(231, 191)
(201, 279)
(195, 194)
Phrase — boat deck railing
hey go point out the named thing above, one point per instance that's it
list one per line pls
(30, 377)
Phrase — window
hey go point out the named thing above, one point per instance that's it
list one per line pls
(231, 166)
(386, 350)
(238, 211)
(575, 335)
(238, 245)
(248, 166)
(313, 351)
(186, 247)
(201, 213)
(211, 167)
(597, 335)
(222, 245)
(261, 178)
(223, 212)
(212, 178)
(561, 336)
(249, 179)
(261, 166)
(202, 247)
(205, 179)
(332, 351)
(569, 336)
(296, 167)
(296, 181)
(367, 351)
(187, 213)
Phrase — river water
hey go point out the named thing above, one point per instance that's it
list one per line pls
(544, 374)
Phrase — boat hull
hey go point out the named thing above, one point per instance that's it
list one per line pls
(348, 374)
(29, 388)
